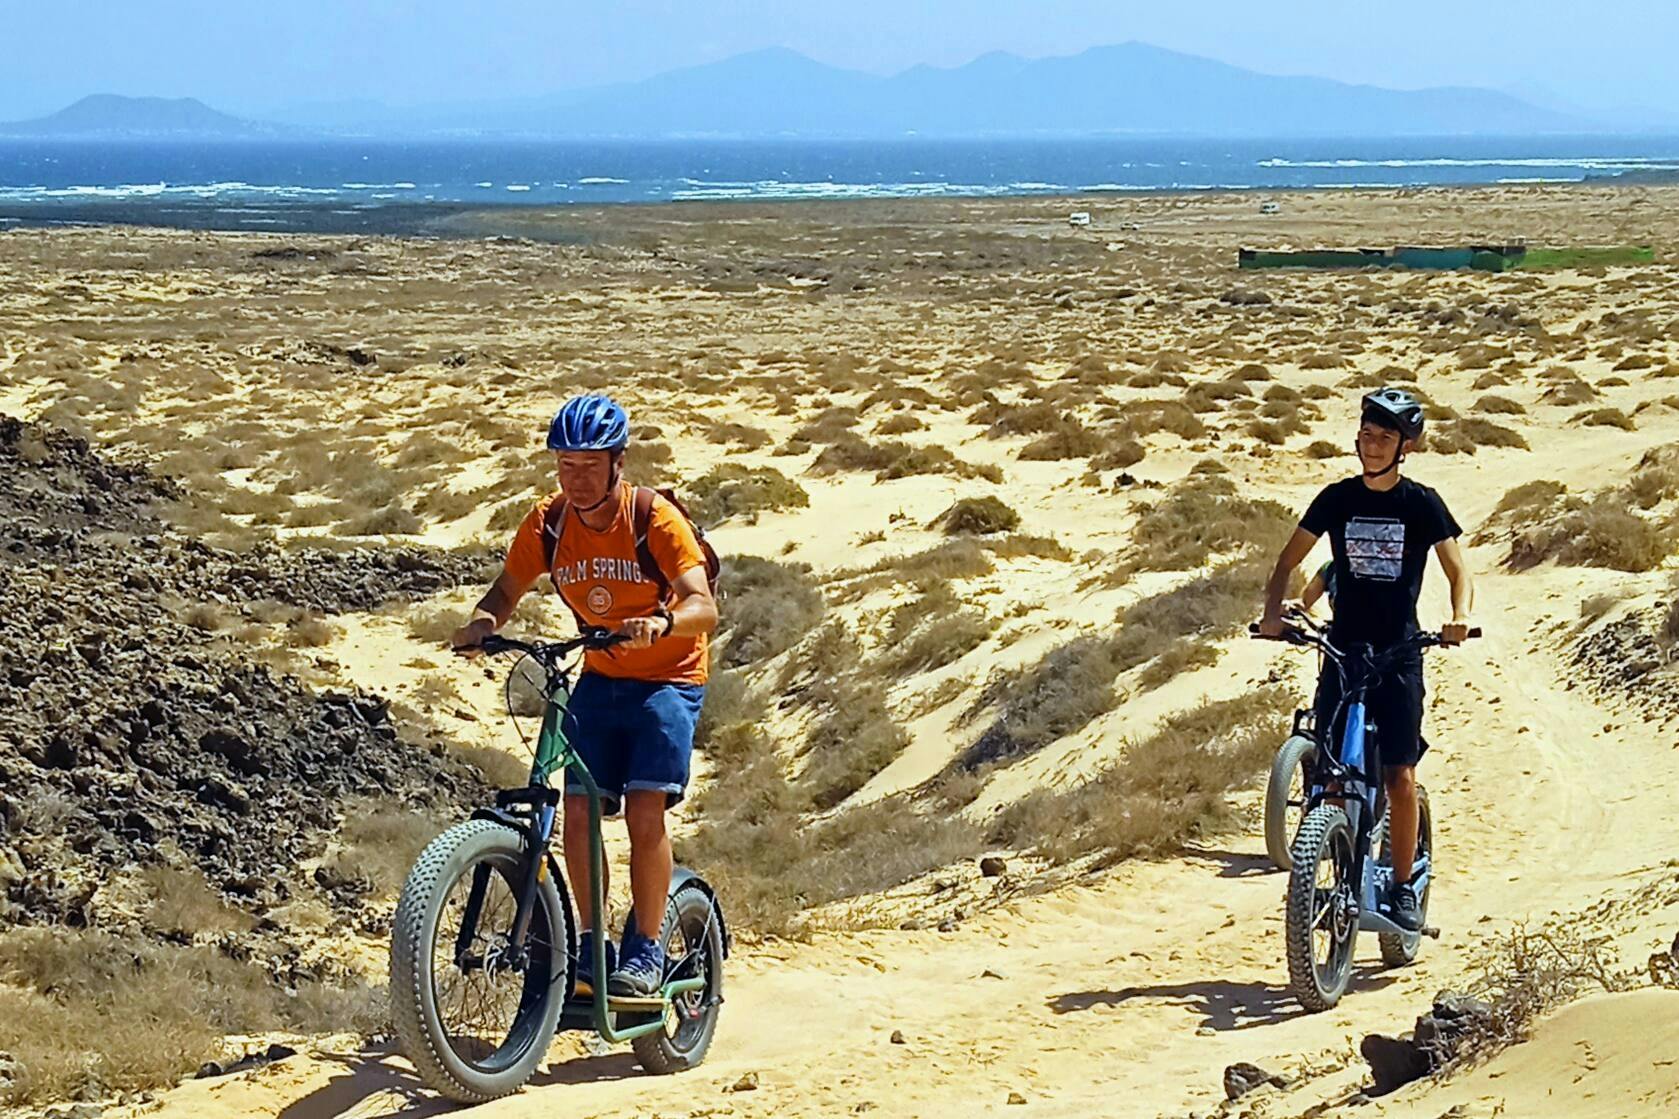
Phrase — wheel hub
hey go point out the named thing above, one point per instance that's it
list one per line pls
(500, 956)
(1345, 914)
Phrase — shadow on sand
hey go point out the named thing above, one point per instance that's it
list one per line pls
(377, 1083)
(1233, 864)
(1221, 1005)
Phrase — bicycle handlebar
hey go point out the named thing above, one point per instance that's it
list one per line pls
(593, 638)
(1296, 635)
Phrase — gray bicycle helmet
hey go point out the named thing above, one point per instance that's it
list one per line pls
(1395, 409)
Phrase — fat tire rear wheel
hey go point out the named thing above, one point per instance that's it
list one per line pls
(1399, 949)
(693, 930)
(1294, 761)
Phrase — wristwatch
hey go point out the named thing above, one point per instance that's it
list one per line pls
(670, 622)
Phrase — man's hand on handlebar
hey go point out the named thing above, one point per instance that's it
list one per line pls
(1272, 627)
(1455, 632)
(467, 640)
(639, 633)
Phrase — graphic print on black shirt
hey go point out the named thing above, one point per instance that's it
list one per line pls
(1376, 549)
(1381, 541)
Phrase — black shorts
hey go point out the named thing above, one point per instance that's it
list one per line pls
(1394, 704)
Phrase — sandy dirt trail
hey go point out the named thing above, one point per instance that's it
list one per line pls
(1131, 993)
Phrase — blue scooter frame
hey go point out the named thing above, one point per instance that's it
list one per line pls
(1345, 805)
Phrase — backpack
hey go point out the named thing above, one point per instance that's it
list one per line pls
(641, 518)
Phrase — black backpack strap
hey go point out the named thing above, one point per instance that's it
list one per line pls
(641, 521)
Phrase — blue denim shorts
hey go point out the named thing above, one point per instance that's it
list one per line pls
(632, 734)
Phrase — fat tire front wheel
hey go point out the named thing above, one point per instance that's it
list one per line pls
(1321, 922)
(448, 1015)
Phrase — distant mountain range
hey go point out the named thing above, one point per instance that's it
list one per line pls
(108, 116)
(1131, 89)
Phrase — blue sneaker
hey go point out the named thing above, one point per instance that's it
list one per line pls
(585, 986)
(641, 970)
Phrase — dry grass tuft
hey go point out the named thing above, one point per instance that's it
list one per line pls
(891, 460)
(1499, 406)
(901, 424)
(1067, 439)
(1542, 521)
(501, 769)
(1202, 517)
(1120, 453)
(87, 1013)
(944, 636)
(1165, 790)
(380, 842)
(1323, 449)
(1467, 435)
(1606, 417)
(182, 903)
(733, 490)
(759, 845)
(1145, 417)
(1527, 972)
(744, 436)
(978, 516)
(771, 607)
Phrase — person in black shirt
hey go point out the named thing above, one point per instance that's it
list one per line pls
(1381, 528)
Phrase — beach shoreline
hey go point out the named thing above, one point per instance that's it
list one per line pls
(552, 223)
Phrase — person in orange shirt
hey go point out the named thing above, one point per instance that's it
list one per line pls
(632, 714)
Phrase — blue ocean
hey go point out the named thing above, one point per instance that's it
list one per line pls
(254, 183)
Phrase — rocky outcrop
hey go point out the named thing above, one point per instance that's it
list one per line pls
(122, 728)
(1439, 1036)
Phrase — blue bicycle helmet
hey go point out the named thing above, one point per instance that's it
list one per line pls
(590, 423)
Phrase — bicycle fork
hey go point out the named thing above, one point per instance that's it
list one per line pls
(537, 838)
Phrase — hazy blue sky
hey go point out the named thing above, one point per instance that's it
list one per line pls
(247, 56)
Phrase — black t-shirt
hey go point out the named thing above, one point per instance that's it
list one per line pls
(1381, 542)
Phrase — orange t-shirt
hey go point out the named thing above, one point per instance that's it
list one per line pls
(598, 575)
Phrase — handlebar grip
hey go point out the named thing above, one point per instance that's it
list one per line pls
(1291, 635)
(602, 638)
(1474, 631)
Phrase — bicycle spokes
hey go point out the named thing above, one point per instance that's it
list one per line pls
(481, 981)
(1334, 908)
(687, 957)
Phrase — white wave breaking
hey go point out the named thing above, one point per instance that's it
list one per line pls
(1588, 163)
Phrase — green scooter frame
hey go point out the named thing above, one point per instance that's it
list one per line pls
(523, 969)
(554, 752)
(603, 1013)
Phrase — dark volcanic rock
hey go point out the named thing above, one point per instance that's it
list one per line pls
(63, 501)
(1632, 659)
(122, 727)
(1242, 1078)
(1439, 1036)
